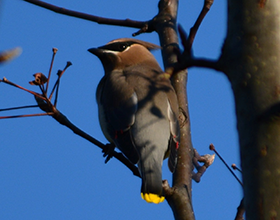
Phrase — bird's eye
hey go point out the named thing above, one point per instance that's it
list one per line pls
(122, 47)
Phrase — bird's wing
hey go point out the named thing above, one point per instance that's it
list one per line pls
(172, 114)
(117, 108)
(119, 101)
(174, 138)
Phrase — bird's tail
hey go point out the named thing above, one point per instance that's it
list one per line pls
(151, 189)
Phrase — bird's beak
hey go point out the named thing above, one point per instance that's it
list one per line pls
(95, 51)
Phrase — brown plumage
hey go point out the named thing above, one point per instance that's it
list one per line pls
(138, 110)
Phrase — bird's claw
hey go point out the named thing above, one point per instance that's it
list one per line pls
(108, 151)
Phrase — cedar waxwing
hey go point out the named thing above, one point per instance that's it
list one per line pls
(138, 110)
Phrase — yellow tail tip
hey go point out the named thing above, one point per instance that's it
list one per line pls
(152, 198)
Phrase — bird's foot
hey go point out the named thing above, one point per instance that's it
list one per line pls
(108, 151)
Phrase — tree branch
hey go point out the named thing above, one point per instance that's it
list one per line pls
(97, 19)
(28, 115)
(45, 104)
(240, 211)
(5, 80)
(179, 197)
(206, 7)
(19, 107)
(199, 62)
(186, 58)
(212, 147)
(62, 119)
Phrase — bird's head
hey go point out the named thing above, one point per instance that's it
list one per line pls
(124, 52)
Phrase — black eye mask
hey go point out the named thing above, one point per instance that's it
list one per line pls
(118, 46)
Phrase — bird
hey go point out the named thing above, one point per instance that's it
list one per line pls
(138, 110)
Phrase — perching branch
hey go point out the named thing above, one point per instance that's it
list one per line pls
(62, 119)
(49, 76)
(179, 196)
(45, 104)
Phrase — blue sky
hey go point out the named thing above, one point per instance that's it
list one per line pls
(46, 171)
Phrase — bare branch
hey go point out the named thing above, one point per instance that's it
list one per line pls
(212, 147)
(186, 59)
(99, 20)
(5, 80)
(28, 115)
(44, 103)
(240, 211)
(56, 85)
(50, 70)
(205, 63)
(233, 166)
(179, 197)
(206, 7)
(62, 119)
(20, 107)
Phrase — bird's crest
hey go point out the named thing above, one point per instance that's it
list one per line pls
(148, 45)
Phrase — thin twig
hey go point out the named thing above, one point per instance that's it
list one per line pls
(187, 60)
(56, 93)
(27, 115)
(45, 105)
(56, 85)
(58, 116)
(43, 91)
(206, 7)
(212, 147)
(236, 168)
(99, 20)
(54, 50)
(5, 80)
(20, 107)
(53, 89)
(62, 119)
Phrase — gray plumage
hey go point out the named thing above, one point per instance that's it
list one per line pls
(138, 110)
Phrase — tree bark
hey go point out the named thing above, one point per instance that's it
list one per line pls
(251, 60)
(180, 196)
